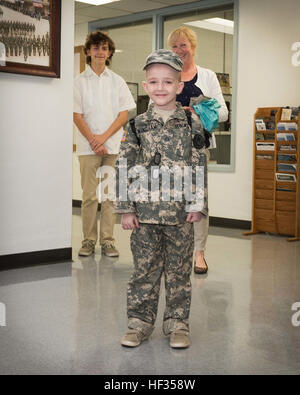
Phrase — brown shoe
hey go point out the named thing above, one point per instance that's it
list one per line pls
(200, 270)
(110, 250)
(180, 339)
(133, 338)
(87, 249)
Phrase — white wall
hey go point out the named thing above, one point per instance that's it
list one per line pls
(36, 154)
(81, 32)
(266, 77)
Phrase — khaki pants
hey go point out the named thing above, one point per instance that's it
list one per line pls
(89, 165)
(201, 228)
(201, 233)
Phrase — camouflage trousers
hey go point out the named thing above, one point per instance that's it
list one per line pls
(157, 250)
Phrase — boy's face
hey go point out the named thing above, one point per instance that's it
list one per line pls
(99, 54)
(162, 85)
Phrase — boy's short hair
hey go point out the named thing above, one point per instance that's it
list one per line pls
(97, 38)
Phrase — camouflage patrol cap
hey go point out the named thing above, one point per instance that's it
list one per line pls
(164, 56)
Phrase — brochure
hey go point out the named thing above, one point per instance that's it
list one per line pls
(286, 158)
(285, 177)
(265, 146)
(286, 167)
(285, 137)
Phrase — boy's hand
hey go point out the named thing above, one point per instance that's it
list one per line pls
(129, 221)
(101, 150)
(194, 217)
(98, 148)
(97, 141)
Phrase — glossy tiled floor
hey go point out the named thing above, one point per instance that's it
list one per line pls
(68, 318)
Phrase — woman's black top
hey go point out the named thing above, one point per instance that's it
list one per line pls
(189, 90)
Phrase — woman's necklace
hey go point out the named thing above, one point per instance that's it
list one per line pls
(189, 74)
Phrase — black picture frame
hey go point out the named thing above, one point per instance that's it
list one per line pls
(29, 16)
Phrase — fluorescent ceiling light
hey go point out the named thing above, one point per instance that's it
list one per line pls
(217, 24)
(96, 2)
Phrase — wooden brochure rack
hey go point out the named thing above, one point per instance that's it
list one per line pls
(276, 201)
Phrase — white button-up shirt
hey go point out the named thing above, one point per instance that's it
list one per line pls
(100, 100)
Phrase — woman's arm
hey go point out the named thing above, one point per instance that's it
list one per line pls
(218, 95)
(209, 84)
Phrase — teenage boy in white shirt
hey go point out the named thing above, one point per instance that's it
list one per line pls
(102, 100)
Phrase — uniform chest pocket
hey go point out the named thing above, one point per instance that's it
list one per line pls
(183, 144)
(148, 146)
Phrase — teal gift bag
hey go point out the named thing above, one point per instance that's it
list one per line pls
(209, 114)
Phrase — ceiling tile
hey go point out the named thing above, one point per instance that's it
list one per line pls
(79, 5)
(87, 13)
(81, 19)
(175, 2)
(135, 5)
(100, 12)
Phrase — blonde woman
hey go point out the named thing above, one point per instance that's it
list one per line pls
(197, 80)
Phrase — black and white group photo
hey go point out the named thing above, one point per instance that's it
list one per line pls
(25, 31)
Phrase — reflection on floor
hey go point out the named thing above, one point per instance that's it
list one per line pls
(69, 318)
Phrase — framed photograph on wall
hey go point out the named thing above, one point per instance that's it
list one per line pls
(30, 37)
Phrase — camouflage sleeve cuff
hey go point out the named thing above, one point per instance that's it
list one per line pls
(124, 211)
(195, 208)
(124, 208)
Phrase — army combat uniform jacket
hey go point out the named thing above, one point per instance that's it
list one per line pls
(174, 141)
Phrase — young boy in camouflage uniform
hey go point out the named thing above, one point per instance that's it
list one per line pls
(162, 237)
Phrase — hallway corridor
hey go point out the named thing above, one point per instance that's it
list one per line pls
(68, 318)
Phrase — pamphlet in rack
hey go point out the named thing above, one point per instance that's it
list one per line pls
(286, 158)
(286, 114)
(286, 167)
(287, 126)
(265, 146)
(285, 137)
(285, 177)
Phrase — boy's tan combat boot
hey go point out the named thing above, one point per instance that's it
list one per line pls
(180, 339)
(133, 338)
